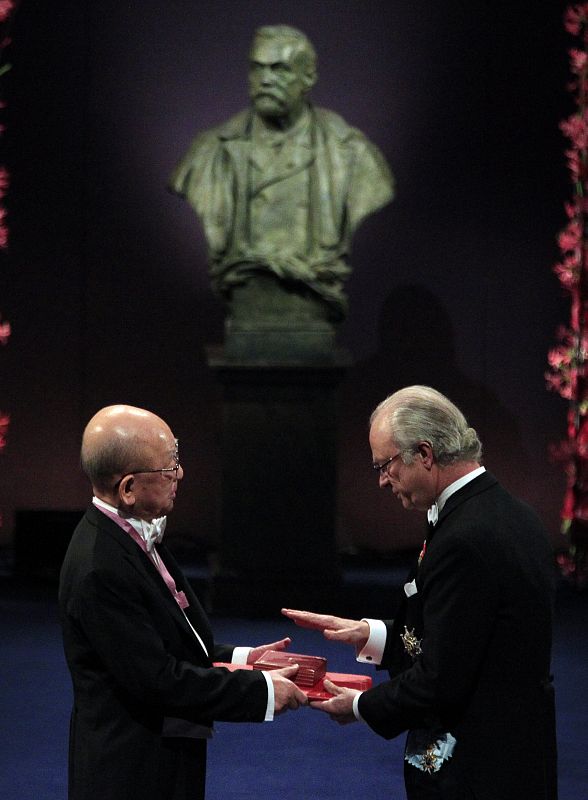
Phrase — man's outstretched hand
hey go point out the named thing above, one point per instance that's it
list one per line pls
(257, 652)
(337, 629)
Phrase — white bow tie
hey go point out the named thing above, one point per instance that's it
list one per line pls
(152, 532)
(433, 514)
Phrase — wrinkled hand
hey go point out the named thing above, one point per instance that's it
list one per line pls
(286, 694)
(257, 652)
(339, 707)
(337, 629)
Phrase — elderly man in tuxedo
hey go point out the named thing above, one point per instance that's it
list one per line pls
(468, 653)
(137, 641)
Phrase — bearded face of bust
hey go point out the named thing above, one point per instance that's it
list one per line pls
(279, 78)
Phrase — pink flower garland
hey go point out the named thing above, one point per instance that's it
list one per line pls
(568, 361)
(6, 9)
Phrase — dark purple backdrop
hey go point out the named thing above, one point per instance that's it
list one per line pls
(106, 286)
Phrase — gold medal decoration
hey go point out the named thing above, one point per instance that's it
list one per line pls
(412, 645)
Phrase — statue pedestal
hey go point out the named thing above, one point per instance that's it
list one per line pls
(277, 321)
(279, 485)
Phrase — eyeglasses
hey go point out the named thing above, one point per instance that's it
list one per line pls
(384, 467)
(163, 470)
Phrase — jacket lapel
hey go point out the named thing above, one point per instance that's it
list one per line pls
(143, 564)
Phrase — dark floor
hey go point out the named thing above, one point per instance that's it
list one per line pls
(302, 755)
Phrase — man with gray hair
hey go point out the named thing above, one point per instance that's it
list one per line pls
(469, 650)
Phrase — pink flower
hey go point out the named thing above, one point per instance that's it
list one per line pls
(571, 22)
(567, 278)
(575, 17)
(4, 181)
(553, 381)
(3, 229)
(578, 59)
(571, 236)
(568, 271)
(559, 356)
(574, 166)
(557, 384)
(4, 332)
(575, 128)
(4, 423)
(6, 7)
(571, 207)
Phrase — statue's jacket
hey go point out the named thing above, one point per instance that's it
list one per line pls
(349, 179)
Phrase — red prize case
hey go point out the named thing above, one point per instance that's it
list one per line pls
(310, 676)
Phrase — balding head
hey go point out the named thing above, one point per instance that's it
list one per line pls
(299, 44)
(119, 439)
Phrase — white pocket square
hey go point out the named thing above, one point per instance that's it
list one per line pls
(410, 588)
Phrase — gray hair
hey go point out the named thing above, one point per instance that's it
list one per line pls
(113, 456)
(303, 52)
(421, 414)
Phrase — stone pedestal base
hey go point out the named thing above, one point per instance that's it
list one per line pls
(271, 320)
(279, 483)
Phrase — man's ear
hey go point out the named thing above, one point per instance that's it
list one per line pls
(425, 454)
(126, 491)
(309, 78)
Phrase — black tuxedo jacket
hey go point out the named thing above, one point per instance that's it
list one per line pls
(134, 661)
(483, 617)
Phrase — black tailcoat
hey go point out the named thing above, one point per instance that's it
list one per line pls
(483, 616)
(134, 661)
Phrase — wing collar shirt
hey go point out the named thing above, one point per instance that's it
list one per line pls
(147, 535)
(373, 650)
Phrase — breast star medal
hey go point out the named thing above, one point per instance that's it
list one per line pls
(412, 645)
(429, 759)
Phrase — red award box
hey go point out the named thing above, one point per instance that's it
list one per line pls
(349, 681)
(313, 667)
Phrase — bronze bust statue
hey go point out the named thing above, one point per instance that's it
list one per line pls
(280, 188)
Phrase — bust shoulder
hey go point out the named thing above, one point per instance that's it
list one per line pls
(334, 125)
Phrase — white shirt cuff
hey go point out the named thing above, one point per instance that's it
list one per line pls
(373, 651)
(356, 713)
(269, 711)
(240, 655)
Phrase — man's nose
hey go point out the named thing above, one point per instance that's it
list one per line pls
(267, 75)
(384, 479)
(180, 473)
